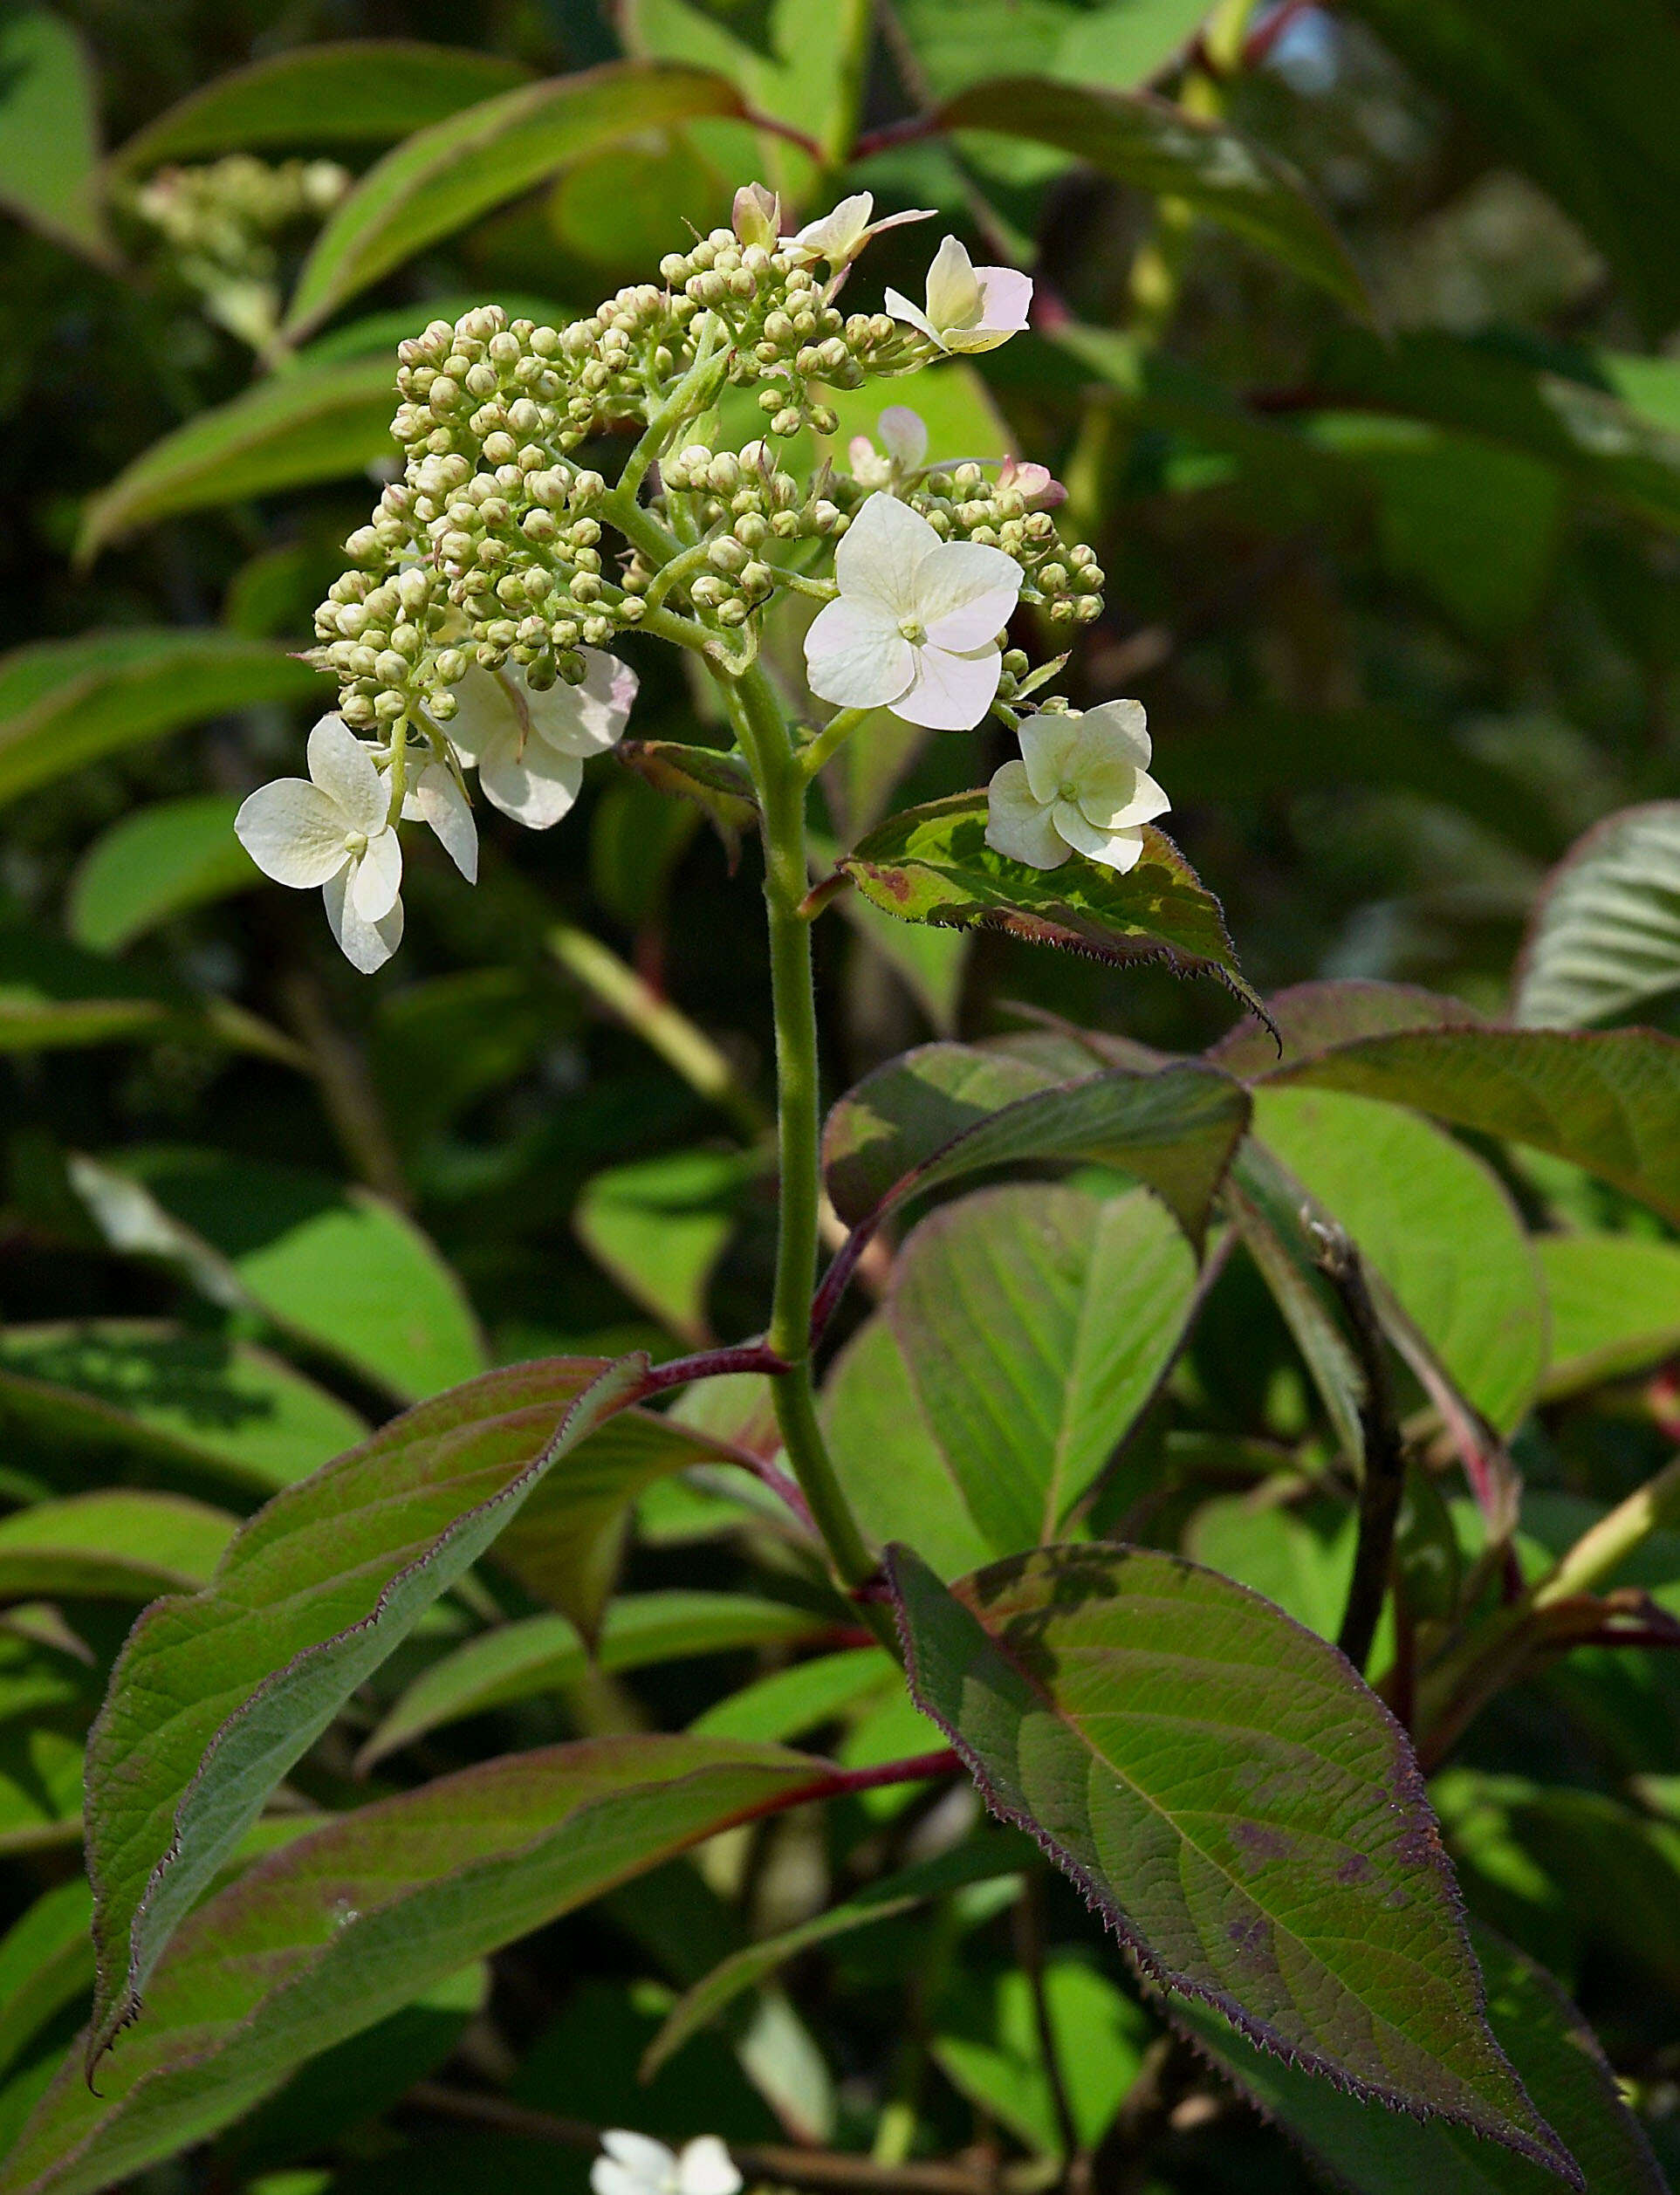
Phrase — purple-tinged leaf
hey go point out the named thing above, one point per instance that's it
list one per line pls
(1309, 1019)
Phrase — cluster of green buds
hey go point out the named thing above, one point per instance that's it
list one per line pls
(470, 630)
(219, 220)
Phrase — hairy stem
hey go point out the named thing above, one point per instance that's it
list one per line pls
(1384, 1474)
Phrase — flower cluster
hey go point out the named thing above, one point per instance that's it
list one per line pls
(218, 219)
(471, 630)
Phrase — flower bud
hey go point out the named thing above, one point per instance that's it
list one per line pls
(758, 216)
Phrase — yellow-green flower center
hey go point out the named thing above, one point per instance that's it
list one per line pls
(913, 629)
(355, 842)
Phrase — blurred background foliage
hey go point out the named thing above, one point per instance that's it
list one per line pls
(1398, 593)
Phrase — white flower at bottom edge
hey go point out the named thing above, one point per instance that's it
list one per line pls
(334, 829)
(530, 747)
(969, 308)
(636, 2165)
(1081, 786)
(914, 629)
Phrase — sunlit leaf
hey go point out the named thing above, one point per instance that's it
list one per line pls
(155, 864)
(214, 1696)
(1614, 1303)
(40, 1789)
(116, 1545)
(1243, 1812)
(793, 1702)
(988, 2045)
(660, 1225)
(1603, 940)
(49, 131)
(445, 176)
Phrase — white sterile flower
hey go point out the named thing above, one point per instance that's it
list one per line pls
(636, 2165)
(903, 436)
(915, 625)
(840, 236)
(969, 308)
(530, 747)
(1081, 786)
(334, 829)
(435, 798)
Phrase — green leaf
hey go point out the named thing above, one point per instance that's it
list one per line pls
(349, 1924)
(1603, 939)
(49, 131)
(1575, 103)
(1606, 1101)
(719, 784)
(565, 1546)
(317, 422)
(46, 1961)
(1312, 1017)
(54, 995)
(215, 1696)
(1614, 1303)
(547, 1654)
(1438, 1225)
(932, 865)
(444, 176)
(1118, 46)
(791, 1702)
(155, 864)
(1151, 145)
(40, 1789)
(987, 1859)
(660, 1225)
(944, 1111)
(1292, 1558)
(1556, 2055)
(179, 1400)
(354, 92)
(337, 1267)
(1037, 1323)
(112, 1545)
(64, 703)
(1246, 1815)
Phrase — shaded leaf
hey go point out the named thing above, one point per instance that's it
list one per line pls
(349, 1924)
(1245, 1813)
(1614, 1303)
(547, 1654)
(155, 864)
(171, 1396)
(1313, 1017)
(339, 1267)
(660, 1225)
(1150, 144)
(719, 784)
(317, 422)
(1036, 1324)
(214, 1696)
(1603, 940)
(985, 1859)
(49, 131)
(932, 865)
(53, 995)
(64, 703)
(1435, 1223)
(1555, 2054)
(447, 175)
(40, 1789)
(111, 1545)
(909, 1108)
(352, 91)
(46, 1961)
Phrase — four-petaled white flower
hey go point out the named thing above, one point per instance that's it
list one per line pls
(334, 829)
(530, 747)
(969, 308)
(840, 236)
(636, 2165)
(1081, 786)
(903, 436)
(915, 625)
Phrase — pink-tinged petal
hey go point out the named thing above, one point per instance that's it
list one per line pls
(706, 2168)
(438, 799)
(377, 877)
(640, 2153)
(839, 234)
(881, 555)
(344, 769)
(536, 789)
(966, 593)
(951, 692)
(954, 298)
(1122, 723)
(1005, 299)
(584, 719)
(1018, 825)
(901, 309)
(903, 435)
(856, 654)
(1047, 745)
(366, 946)
(899, 221)
(292, 832)
(484, 713)
(1144, 800)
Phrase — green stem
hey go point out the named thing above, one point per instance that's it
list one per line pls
(763, 735)
(829, 740)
